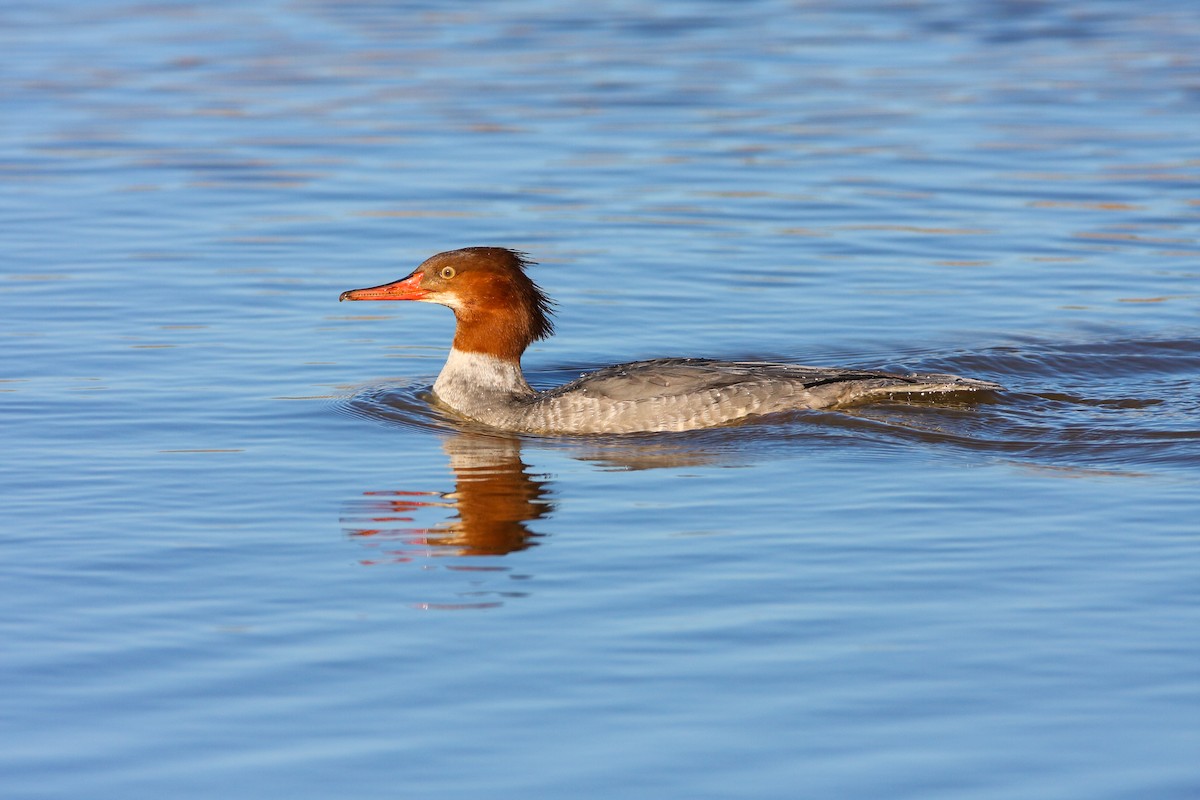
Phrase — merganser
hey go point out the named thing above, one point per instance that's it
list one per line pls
(500, 311)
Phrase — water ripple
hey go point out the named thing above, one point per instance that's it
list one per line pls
(1127, 403)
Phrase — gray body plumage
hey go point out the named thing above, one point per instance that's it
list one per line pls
(676, 394)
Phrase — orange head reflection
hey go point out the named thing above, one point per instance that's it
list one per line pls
(495, 497)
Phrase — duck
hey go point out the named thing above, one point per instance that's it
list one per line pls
(500, 311)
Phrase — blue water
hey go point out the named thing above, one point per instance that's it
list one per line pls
(244, 558)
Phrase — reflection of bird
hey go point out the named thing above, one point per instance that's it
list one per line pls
(500, 312)
(494, 498)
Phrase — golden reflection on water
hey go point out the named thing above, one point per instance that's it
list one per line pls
(495, 497)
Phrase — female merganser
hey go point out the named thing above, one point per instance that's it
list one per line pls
(501, 311)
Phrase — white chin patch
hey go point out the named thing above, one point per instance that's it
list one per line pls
(449, 300)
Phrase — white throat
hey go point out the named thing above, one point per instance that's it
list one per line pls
(471, 379)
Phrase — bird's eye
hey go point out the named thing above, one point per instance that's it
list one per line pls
(447, 272)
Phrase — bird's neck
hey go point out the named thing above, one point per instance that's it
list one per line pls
(494, 329)
(470, 378)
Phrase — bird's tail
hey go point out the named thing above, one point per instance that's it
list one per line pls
(874, 386)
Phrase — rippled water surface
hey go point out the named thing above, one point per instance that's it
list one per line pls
(246, 558)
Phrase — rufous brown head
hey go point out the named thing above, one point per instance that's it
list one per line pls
(500, 310)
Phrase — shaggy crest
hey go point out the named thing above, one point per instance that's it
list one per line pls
(539, 303)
